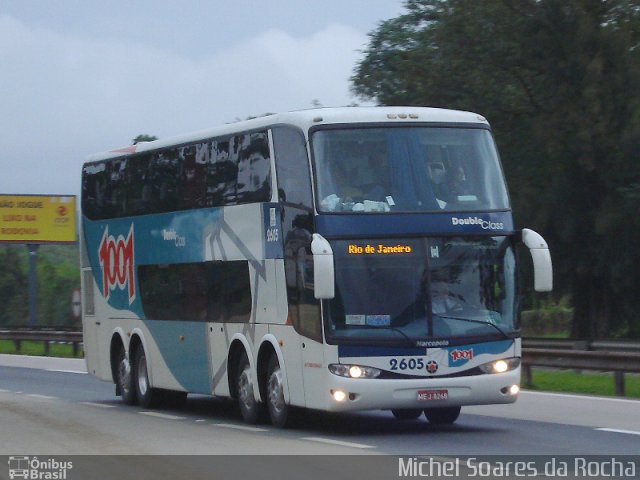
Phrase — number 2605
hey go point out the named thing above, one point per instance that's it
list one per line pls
(406, 364)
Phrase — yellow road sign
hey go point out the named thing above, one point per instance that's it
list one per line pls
(38, 218)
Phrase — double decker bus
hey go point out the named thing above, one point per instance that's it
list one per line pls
(332, 259)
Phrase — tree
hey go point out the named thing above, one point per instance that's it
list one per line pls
(143, 137)
(560, 81)
(13, 286)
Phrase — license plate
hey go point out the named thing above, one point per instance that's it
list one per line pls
(429, 395)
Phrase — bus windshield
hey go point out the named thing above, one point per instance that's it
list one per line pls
(407, 169)
(420, 290)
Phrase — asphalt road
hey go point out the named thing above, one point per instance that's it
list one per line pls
(51, 409)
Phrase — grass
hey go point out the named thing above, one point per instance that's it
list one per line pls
(570, 381)
(38, 349)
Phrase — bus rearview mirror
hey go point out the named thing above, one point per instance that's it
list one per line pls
(323, 271)
(542, 266)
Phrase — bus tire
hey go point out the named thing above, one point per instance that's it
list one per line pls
(148, 397)
(406, 413)
(442, 415)
(124, 379)
(280, 413)
(249, 406)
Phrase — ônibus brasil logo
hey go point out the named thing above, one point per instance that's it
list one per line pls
(116, 260)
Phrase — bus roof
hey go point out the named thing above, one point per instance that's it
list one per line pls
(305, 119)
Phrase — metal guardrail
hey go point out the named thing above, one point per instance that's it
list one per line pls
(580, 344)
(45, 336)
(617, 356)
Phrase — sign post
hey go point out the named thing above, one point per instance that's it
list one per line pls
(37, 220)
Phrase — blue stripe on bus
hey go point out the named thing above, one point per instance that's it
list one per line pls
(460, 355)
(411, 224)
(350, 351)
(183, 347)
(496, 347)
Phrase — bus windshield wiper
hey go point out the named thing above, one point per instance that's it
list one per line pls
(473, 320)
(387, 327)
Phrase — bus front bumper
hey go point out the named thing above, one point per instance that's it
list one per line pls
(351, 394)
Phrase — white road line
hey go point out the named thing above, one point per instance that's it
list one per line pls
(616, 430)
(44, 397)
(66, 371)
(240, 427)
(3, 391)
(581, 397)
(200, 420)
(99, 405)
(337, 442)
(162, 415)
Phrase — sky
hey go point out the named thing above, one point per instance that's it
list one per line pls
(84, 76)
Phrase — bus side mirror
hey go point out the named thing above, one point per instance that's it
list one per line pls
(542, 267)
(323, 272)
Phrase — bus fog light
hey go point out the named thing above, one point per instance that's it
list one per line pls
(339, 395)
(511, 390)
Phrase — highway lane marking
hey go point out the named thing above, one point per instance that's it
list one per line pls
(581, 397)
(99, 405)
(240, 427)
(43, 397)
(616, 430)
(162, 415)
(337, 442)
(4, 391)
(66, 371)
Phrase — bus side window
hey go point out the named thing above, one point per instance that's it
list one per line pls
(292, 167)
(254, 169)
(294, 191)
(222, 173)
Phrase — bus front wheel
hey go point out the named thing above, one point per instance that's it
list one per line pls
(443, 415)
(280, 413)
(406, 413)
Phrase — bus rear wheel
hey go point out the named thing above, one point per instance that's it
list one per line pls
(280, 413)
(406, 413)
(148, 397)
(443, 415)
(124, 379)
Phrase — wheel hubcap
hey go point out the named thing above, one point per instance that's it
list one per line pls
(143, 381)
(245, 388)
(275, 391)
(124, 374)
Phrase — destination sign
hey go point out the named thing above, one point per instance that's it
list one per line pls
(379, 249)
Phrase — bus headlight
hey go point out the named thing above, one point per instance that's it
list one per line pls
(500, 366)
(353, 371)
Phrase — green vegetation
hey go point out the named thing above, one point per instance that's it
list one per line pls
(551, 319)
(38, 349)
(58, 275)
(560, 83)
(588, 383)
